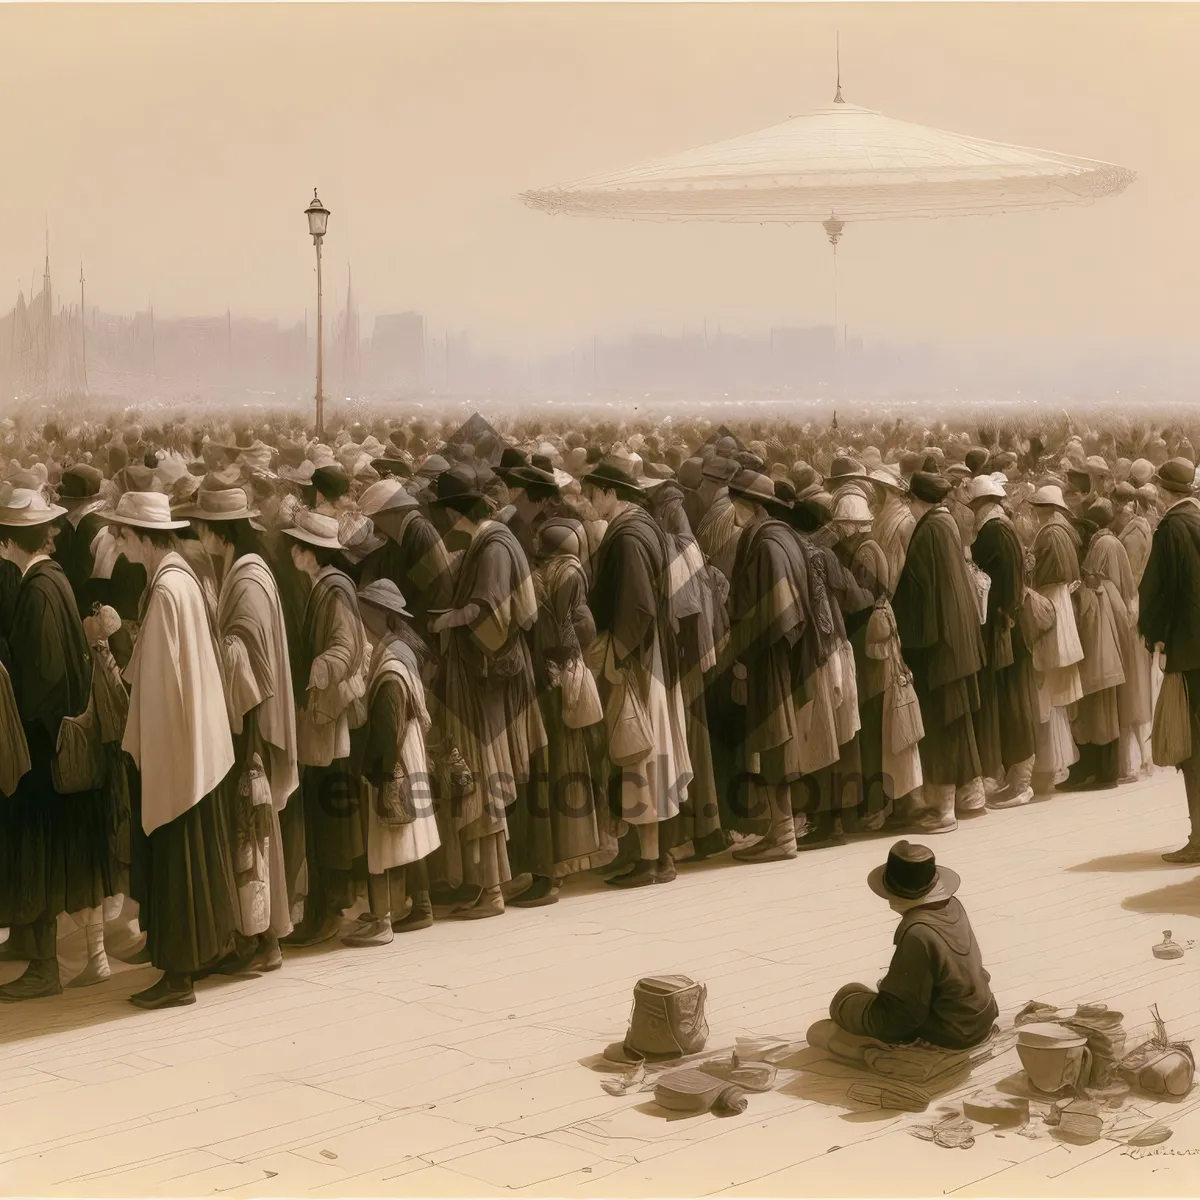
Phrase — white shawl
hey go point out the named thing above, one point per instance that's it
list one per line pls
(178, 728)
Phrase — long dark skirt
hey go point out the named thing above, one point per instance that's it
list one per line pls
(530, 833)
(333, 838)
(872, 798)
(55, 854)
(949, 752)
(741, 808)
(182, 877)
(700, 813)
(834, 790)
(1006, 723)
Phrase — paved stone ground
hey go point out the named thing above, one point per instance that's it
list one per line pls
(454, 1061)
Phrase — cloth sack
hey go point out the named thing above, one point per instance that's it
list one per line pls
(1171, 733)
(693, 1091)
(1036, 618)
(667, 1020)
(79, 763)
(1160, 1070)
(907, 728)
(631, 738)
(580, 696)
(394, 804)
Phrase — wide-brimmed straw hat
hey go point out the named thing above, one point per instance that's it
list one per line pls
(890, 478)
(1049, 496)
(219, 504)
(752, 486)
(316, 529)
(383, 593)
(144, 510)
(22, 508)
(911, 873)
(388, 495)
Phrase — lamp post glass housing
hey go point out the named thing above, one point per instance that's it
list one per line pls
(318, 222)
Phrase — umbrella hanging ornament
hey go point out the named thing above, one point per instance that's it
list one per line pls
(838, 164)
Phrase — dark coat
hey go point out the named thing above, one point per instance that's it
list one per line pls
(936, 989)
(1169, 594)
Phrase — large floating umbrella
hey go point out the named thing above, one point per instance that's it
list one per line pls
(835, 165)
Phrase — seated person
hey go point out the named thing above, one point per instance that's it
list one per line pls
(936, 989)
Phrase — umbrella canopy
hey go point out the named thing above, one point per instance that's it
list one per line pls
(840, 163)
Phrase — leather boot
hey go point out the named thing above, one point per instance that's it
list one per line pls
(938, 816)
(970, 800)
(1017, 789)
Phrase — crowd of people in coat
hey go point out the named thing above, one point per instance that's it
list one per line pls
(253, 678)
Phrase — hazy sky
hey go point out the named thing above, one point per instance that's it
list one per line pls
(174, 148)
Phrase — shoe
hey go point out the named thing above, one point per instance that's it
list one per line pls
(489, 904)
(874, 823)
(643, 875)
(165, 994)
(1010, 799)
(934, 822)
(368, 931)
(1077, 785)
(96, 971)
(462, 896)
(266, 960)
(37, 981)
(766, 851)
(819, 839)
(305, 935)
(539, 893)
(239, 960)
(420, 916)
(1186, 854)
(516, 886)
(664, 872)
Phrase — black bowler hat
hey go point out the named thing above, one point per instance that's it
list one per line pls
(458, 489)
(930, 488)
(80, 482)
(332, 482)
(911, 873)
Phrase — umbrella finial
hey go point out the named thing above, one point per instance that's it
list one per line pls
(837, 97)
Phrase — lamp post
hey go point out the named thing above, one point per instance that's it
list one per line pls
(318, 221)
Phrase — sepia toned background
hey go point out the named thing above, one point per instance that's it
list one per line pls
(173, 149)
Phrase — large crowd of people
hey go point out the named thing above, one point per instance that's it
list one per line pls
(256, 679)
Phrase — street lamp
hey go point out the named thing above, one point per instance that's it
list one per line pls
(318, 221)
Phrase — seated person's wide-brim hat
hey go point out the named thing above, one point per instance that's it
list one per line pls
(911, 873)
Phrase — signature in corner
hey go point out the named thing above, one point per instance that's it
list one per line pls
(1138, 1152)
